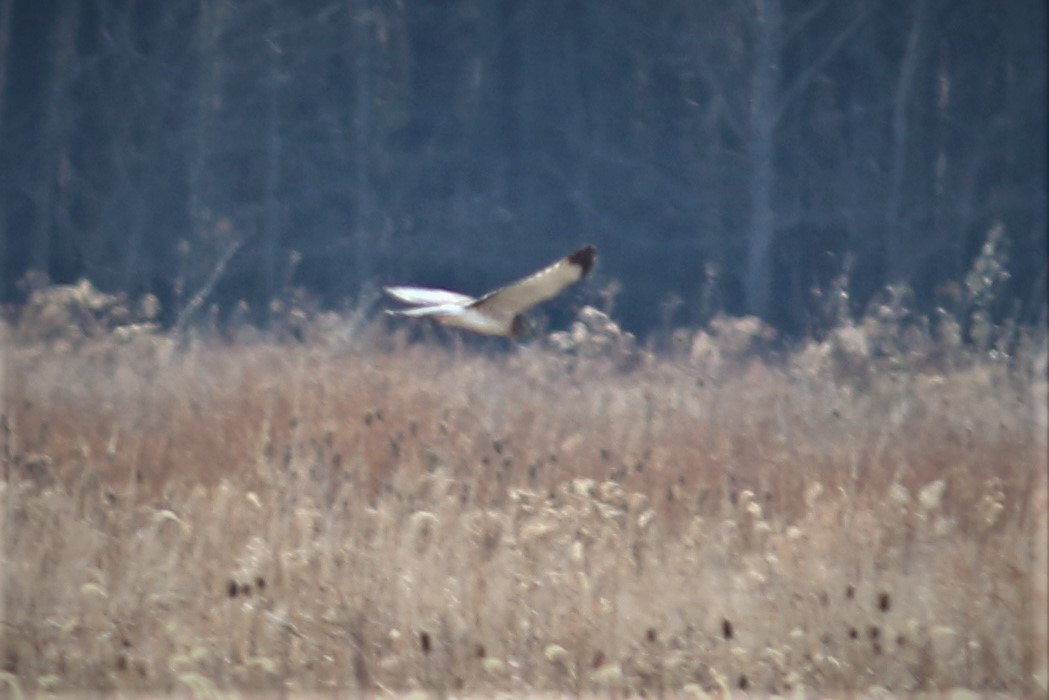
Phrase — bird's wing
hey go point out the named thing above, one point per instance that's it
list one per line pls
(423, 296)
(435, 310)
(459, 316)
(538, 287)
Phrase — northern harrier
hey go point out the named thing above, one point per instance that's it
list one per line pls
(499, 312)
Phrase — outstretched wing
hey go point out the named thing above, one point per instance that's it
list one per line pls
(536, 288)
(459, 316)
(424, 296)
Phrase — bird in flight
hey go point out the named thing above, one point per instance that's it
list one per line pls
(501, 312)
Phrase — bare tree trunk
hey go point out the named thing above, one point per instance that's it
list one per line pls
(895, 263)
(208, 104)
(271, 225)
(5, 43)
(763, 110)
(53, 134)
(362, 221)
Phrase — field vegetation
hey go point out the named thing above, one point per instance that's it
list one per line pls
(340, 507)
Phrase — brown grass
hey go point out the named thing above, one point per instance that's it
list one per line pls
(389, 516)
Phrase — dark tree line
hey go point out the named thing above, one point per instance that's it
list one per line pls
(746, 151)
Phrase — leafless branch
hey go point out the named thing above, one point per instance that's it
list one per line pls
(202, 294)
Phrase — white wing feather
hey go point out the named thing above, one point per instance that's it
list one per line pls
(458, 316)
(424, 296)
(436, 310)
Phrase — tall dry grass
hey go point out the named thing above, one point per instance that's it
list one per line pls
(382, 516)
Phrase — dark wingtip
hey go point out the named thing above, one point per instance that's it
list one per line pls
(584, 258)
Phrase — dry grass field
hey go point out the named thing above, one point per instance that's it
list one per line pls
(381, 517)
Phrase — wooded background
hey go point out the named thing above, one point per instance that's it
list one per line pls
(734, 155)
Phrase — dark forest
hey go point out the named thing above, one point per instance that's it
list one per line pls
(733, 157)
